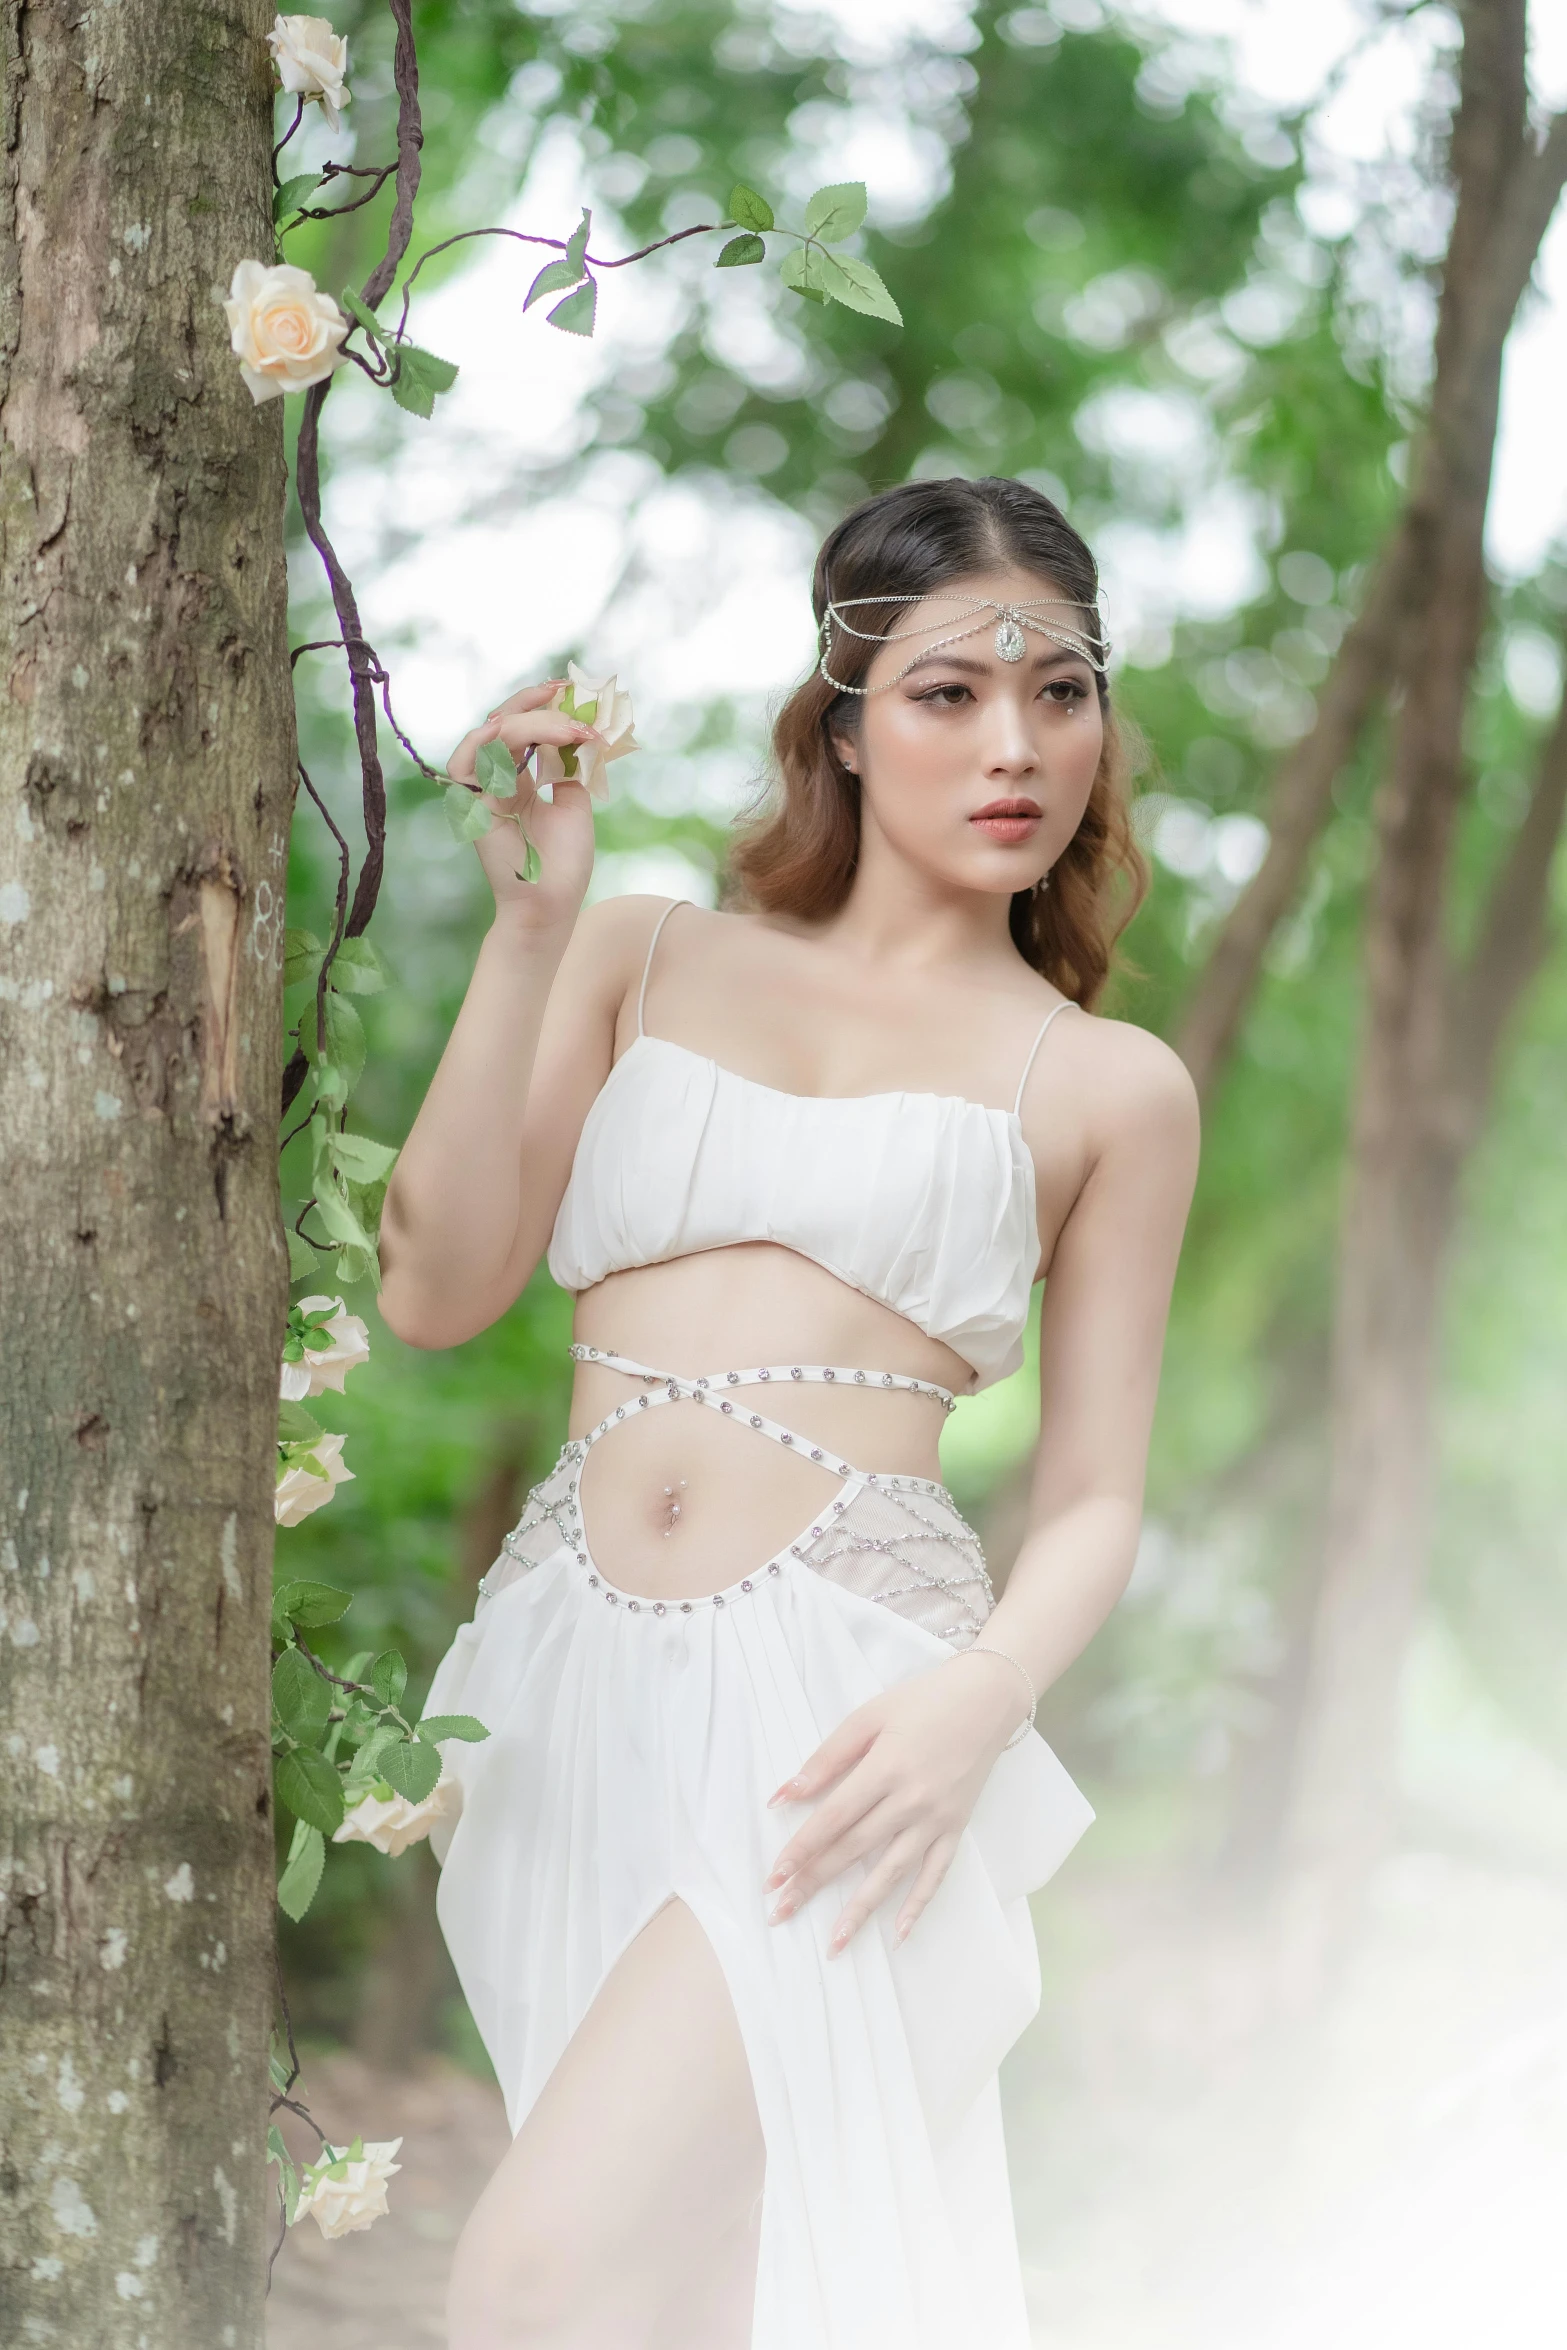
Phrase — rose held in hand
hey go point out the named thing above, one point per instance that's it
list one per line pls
(606, 707)
(311, 61)
(285, 333)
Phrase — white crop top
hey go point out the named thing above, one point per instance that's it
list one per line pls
(923, 1201)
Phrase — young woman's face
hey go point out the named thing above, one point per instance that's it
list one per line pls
(975, 769)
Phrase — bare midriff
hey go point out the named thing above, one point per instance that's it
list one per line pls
(679, 1502)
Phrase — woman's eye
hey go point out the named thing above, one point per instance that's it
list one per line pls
(1066, 689)
(946, 697)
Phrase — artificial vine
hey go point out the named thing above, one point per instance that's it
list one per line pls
(349, 1761)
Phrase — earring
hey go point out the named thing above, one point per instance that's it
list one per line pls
(1043, 883)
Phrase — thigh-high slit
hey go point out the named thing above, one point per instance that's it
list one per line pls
(634, 1743)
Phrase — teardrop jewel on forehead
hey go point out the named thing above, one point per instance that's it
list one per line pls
(1079, 633)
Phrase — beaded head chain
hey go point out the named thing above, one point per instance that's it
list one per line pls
(1010, 620)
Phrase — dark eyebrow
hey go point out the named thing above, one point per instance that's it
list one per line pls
(982, 668)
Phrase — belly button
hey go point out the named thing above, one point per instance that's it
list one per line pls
(673, 1507)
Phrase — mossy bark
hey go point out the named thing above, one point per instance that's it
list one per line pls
(146, 780)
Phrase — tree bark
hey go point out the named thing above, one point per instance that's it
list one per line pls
(1427, 1063)
(146, 766)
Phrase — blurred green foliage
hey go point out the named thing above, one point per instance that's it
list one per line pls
(1110, 291)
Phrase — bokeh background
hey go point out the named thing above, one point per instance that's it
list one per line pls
(1174, 264)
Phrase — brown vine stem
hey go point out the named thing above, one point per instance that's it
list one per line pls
(703, 228)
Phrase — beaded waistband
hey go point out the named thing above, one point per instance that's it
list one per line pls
(807, 1374)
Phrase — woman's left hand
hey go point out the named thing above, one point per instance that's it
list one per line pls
(905, 1772)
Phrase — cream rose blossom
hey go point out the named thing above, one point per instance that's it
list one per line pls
(311, 61)
(285, 333)
(612, 717)
(355, 2197)
(297, 1492)
(329, 1366)
(392, 1823)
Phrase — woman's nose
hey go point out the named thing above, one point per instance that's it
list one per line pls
(1009, 744)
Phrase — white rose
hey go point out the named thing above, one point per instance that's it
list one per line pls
(392, 1823)
(356, 2198)
(612, 717)
(311, 61)
(297, 1493)
(328, 1366)
(283, 330)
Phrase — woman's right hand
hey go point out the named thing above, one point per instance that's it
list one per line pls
(561, 828)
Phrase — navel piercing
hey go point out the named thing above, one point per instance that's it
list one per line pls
(674, 1507)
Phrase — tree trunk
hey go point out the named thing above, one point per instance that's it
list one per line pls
(146, 764)
(1427, 1061)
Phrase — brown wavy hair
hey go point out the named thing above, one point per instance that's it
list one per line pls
(797, 851)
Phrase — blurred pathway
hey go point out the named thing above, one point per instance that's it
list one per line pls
(1181, 2183)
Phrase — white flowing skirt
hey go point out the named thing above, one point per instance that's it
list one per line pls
(631, 1755)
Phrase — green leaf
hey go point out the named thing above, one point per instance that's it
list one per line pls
(332, 1086)
(556, 277)
(468, 1727)
(277, 2152)
(495, 770)
(302, 1698)
(858, 287)
(803, 271)
(365, 1161)
(421, 378)
(310, 1605)
(357, 968)
(411, 1768)
(835, 213)
(466, 812)
(740, 252)
(358, 1264)
(304, 1262)
(338, 1221)
(362, 316)
(296, 1887)
(295, 1425)
(531, 868)
(310, 1787)
(389, 1676)
(577, 244)
(292, 194)
(747, 209)
(366, 1767)
(575, 315)
(345, 1036)
(302, 953)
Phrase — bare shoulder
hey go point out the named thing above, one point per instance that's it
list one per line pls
(1137, 1089)
(610, 941)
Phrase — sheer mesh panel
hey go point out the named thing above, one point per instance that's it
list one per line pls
(902, 1543)
(551, 1520)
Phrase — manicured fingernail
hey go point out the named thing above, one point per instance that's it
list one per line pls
(784, 1910)
(835, 1946)
(778, 1877)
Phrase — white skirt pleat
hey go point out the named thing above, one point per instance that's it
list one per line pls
(630, 1761)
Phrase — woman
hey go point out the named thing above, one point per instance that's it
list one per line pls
(737, 1893)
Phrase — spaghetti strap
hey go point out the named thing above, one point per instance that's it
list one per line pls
(648, 964)
(1017, 1106)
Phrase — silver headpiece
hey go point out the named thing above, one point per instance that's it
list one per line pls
(1010, 622)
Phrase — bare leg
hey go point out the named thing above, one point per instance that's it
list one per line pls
(624, 2215)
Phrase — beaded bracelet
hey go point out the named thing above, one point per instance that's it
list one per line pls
(1018, 1666)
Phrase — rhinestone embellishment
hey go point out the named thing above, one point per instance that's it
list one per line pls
(1009, 640)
